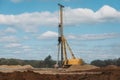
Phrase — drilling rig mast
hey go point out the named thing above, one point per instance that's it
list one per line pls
(63, 45)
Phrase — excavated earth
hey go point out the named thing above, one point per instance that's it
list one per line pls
(87, 72)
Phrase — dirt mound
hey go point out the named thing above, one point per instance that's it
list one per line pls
(11, 68)
(82, 67)
(16, 66)
(89, 72)
(111, 67)
(30, 75)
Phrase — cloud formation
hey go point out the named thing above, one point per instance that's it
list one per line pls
(10, 30)
(9, 39)
(52, 35)
(13, 45)
(84, 15)
(31, 21)
(94, 36)
(48, 35)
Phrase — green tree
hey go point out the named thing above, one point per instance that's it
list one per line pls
(99, 63)
(48, 62)
(118, 62)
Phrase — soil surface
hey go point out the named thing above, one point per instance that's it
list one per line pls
(105, 73)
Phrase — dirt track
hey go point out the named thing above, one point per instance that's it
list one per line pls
(96, 74)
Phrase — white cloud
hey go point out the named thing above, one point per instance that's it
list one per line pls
(107, 13)
(31, 21)
(10, 30)
(84, 15)
(71, 37)
(94, 36)
(51, 35)
(9, 39)
(13, 45)
(26, 47)
(48, 35)
(7, 30)
(95, 55)
(26, 38)
(17, 52)
(97, 52)
(2, 32)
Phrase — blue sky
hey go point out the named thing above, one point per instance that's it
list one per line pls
(28, 28)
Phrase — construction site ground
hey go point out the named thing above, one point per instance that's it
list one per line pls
(85, 72)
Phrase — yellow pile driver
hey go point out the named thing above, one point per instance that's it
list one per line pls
(63, 45)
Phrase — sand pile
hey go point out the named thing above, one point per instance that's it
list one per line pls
(16, 66)
(82, 67)
(11, 68)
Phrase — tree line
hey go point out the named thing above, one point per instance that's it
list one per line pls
(103, 63)
(48, 62)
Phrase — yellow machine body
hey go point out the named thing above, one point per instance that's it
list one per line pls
(75, 62)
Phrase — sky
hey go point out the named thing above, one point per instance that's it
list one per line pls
(29, 28)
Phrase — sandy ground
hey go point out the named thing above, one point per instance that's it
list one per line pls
(86, 72)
